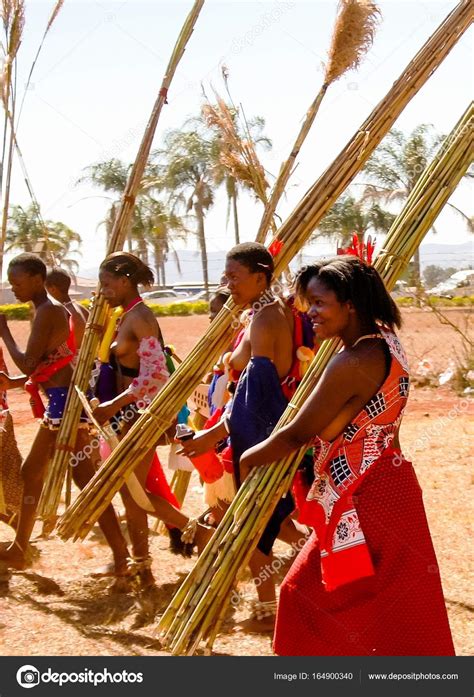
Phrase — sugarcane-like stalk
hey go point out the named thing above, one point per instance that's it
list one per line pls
(352, 37)
(56, 10)
(145, 433)
(13, 19)
(199, 601)
(67, 431)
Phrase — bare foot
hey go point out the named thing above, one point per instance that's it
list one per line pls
(111, 570)
(254, 626)
(147, 580)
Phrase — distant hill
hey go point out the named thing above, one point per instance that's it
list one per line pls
(444, 255)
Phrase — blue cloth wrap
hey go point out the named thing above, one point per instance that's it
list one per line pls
(54, 412)
(257, 406)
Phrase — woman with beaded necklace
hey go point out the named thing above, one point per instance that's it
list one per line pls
(367, 581)
(138, 363)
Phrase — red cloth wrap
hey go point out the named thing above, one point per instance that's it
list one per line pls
(43, 372)
(157, 484)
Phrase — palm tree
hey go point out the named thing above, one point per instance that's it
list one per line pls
(396, 166)
(349, 216)
(153, 224)
(225, 176)
(160, 227)
(111, 176)
(184, 167)
(52, 241)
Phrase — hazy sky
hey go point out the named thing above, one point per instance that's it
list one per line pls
(102, 64)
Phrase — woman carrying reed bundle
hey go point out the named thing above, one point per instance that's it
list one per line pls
(46, 366)
(367, 581)
(136, 371)
(262, 363)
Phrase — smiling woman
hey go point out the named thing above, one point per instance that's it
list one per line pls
(367, 582)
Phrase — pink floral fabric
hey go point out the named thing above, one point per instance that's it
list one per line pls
(153, 370)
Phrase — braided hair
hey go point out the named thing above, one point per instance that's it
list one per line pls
(353, 280)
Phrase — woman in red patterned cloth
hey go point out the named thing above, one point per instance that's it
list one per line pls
(367, 581)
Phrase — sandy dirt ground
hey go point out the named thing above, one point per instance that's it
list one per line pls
(56, 608)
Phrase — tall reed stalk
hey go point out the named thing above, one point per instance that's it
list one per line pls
(90, 344)
(56, 10)
(13, 18)
(352, 37)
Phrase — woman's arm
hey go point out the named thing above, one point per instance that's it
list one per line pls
(46, 317)
(204, 441)
(8, 382)
(335, 389)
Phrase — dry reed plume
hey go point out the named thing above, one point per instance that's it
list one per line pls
(352, 36)
(54, 14)
(237, 155)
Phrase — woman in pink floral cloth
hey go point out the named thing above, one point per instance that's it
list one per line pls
(137, 370)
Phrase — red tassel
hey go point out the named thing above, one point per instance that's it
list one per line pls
(275, 247)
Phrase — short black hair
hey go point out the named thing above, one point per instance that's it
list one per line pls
(59, 278)
(254, 256)
(30, 264)
(353, 279)
(125, 264)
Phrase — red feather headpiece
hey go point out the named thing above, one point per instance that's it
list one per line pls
(363, 250)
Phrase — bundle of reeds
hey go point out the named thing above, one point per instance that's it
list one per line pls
(145, 433)
(352, 37)
(198, 607)
(67, 432)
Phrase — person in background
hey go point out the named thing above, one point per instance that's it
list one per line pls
(58, 283)
(137, 370)
(261, 361)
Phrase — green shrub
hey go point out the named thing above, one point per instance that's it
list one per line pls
(16, 311)
(200, 307)
(22, 311)
(463, 301)
(404, 301)
(458, 301)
